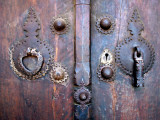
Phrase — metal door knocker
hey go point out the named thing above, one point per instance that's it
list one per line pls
(106, 69)
(134, 55)
(31, 57)
(34, 69)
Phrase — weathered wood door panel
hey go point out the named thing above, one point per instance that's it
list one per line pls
(119, 99)
(39, 99)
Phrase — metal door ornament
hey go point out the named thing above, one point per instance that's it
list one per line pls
(129, 48)
(106, 69)
(58, 73)
(59, 25)
(105, 24)
(31, 48)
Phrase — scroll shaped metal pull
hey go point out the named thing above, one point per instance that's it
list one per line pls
(139, 66)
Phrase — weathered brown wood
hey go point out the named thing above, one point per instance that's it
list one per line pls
(44, 100)
(119, 99)
(40, 99)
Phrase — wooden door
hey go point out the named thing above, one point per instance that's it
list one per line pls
(41, 98)
(79, 59)
(118, 98)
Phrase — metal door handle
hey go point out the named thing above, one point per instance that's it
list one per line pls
(139, 66)
(134, 55)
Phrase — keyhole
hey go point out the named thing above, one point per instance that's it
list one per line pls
(106, 56)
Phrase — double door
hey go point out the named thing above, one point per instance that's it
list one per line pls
(79, 59)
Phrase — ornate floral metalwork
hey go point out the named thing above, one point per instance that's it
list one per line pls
(126, 48)
(59, 25)
(82, 96)
(106, 77)
(58, 73)
(31, 47)
(105, 24)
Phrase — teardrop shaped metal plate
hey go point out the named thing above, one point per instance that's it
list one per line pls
(31, 40)
(126, 48)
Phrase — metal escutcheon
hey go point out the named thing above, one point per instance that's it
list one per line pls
(106, 69)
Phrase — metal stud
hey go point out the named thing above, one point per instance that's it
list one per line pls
(105, 24)
(59, 25)
(58, 73)
(107, 72)
(83, 96)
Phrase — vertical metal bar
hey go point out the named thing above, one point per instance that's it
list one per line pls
(82, 93)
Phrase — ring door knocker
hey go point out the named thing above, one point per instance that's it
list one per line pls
(106, 68)
(134, 55)
(33, 53)
(31, 57)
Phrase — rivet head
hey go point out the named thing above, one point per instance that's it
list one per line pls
(59, 24)
(58, 74)
(105, 24)
(82, 96)
(107, 72)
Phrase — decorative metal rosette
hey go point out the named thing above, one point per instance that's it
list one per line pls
(106, 72)
(82, 96)
(59, 25)
(31, 57)
(105, 24)
(58, 73)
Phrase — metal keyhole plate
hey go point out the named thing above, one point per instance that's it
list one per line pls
(106, 57)
(106, 69)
